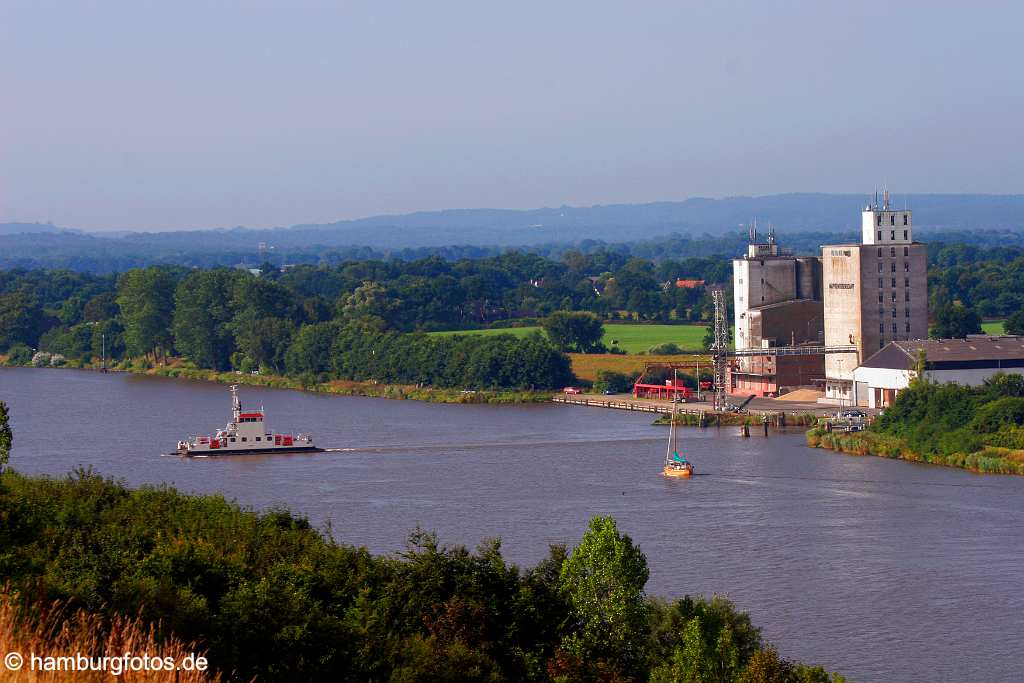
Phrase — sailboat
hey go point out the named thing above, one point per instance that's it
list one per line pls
(675, 464)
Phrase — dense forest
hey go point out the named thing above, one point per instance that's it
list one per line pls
(365, 319)
(358, 320)
(267, 597)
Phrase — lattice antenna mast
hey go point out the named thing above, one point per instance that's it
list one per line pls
(720, 346)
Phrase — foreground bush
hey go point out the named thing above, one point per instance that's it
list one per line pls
(267, 596)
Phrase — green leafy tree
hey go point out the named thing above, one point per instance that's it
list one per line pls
(21, 320)
(1015, 323)
(310, 351)
(369, 300)
(264, 320)
(604, 580)
(616, 382)
(101, 307)
(709, 338)
(574, 331)
(146, 299)
(6, 436)
(955, 321)
(202, 317)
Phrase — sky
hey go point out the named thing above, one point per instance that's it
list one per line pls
(184, 115)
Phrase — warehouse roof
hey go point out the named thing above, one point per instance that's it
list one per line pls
(977, 350)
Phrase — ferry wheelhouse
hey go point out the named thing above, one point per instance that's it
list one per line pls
(246, 433)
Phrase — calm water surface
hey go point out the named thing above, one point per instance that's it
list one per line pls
(882, 570)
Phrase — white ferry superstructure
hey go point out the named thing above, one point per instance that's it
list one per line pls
(247, 433)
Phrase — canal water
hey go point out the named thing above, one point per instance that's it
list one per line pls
(879, 569)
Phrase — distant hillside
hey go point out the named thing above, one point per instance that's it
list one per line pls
(712, 226)
(26, 228)
(789, 212)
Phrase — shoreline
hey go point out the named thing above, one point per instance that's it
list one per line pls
(368, 389)
(989, 460)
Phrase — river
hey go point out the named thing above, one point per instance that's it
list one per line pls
(879, 569)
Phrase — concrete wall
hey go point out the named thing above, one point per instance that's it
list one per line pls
(808, 278)
(842, 286)
(758, 282)
(793, 322)
(884, 227)
(888, 300)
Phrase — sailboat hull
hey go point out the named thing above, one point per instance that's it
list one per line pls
(678, 472)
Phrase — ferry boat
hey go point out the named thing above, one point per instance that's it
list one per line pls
(247, 433)
(675, 465)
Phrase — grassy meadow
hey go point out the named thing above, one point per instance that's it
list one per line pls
(631, 338)
(993, 327)
(586, 365)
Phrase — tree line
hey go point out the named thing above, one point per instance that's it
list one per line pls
(230, 318)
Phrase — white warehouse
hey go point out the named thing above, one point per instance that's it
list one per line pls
(964, 361)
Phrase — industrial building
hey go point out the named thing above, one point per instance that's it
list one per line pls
(874, 292)
(777, 302)
(967, 361)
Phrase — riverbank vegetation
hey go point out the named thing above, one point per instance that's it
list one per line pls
(712, 419)
(975, 428)
(267, 596)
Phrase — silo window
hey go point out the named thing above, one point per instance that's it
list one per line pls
(905, 235)
(879, 252)
(906, 251)
(892, 219)
(906, 295)
(894, 282)
(892, 234)
(881, 329)
(879, 233)
(905, 217)
(894, 328)
(880, 285)
(879, 266)
(906, 266)
(908, 328)
(892, 251)
(894, 315)
(906, 313)
(894, 297)
(906, 282)
(879, 219)
(879, 297)
(893, 266)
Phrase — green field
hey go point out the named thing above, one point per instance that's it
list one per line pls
(993, 327)
(630, 338)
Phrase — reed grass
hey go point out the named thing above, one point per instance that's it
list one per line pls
(989, 460)
(52, 630)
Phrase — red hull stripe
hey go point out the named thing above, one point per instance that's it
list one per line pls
(259, 415)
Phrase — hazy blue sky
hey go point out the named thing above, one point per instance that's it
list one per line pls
(185, 115)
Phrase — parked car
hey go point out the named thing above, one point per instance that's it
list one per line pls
(571, 390)
(852, 414)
